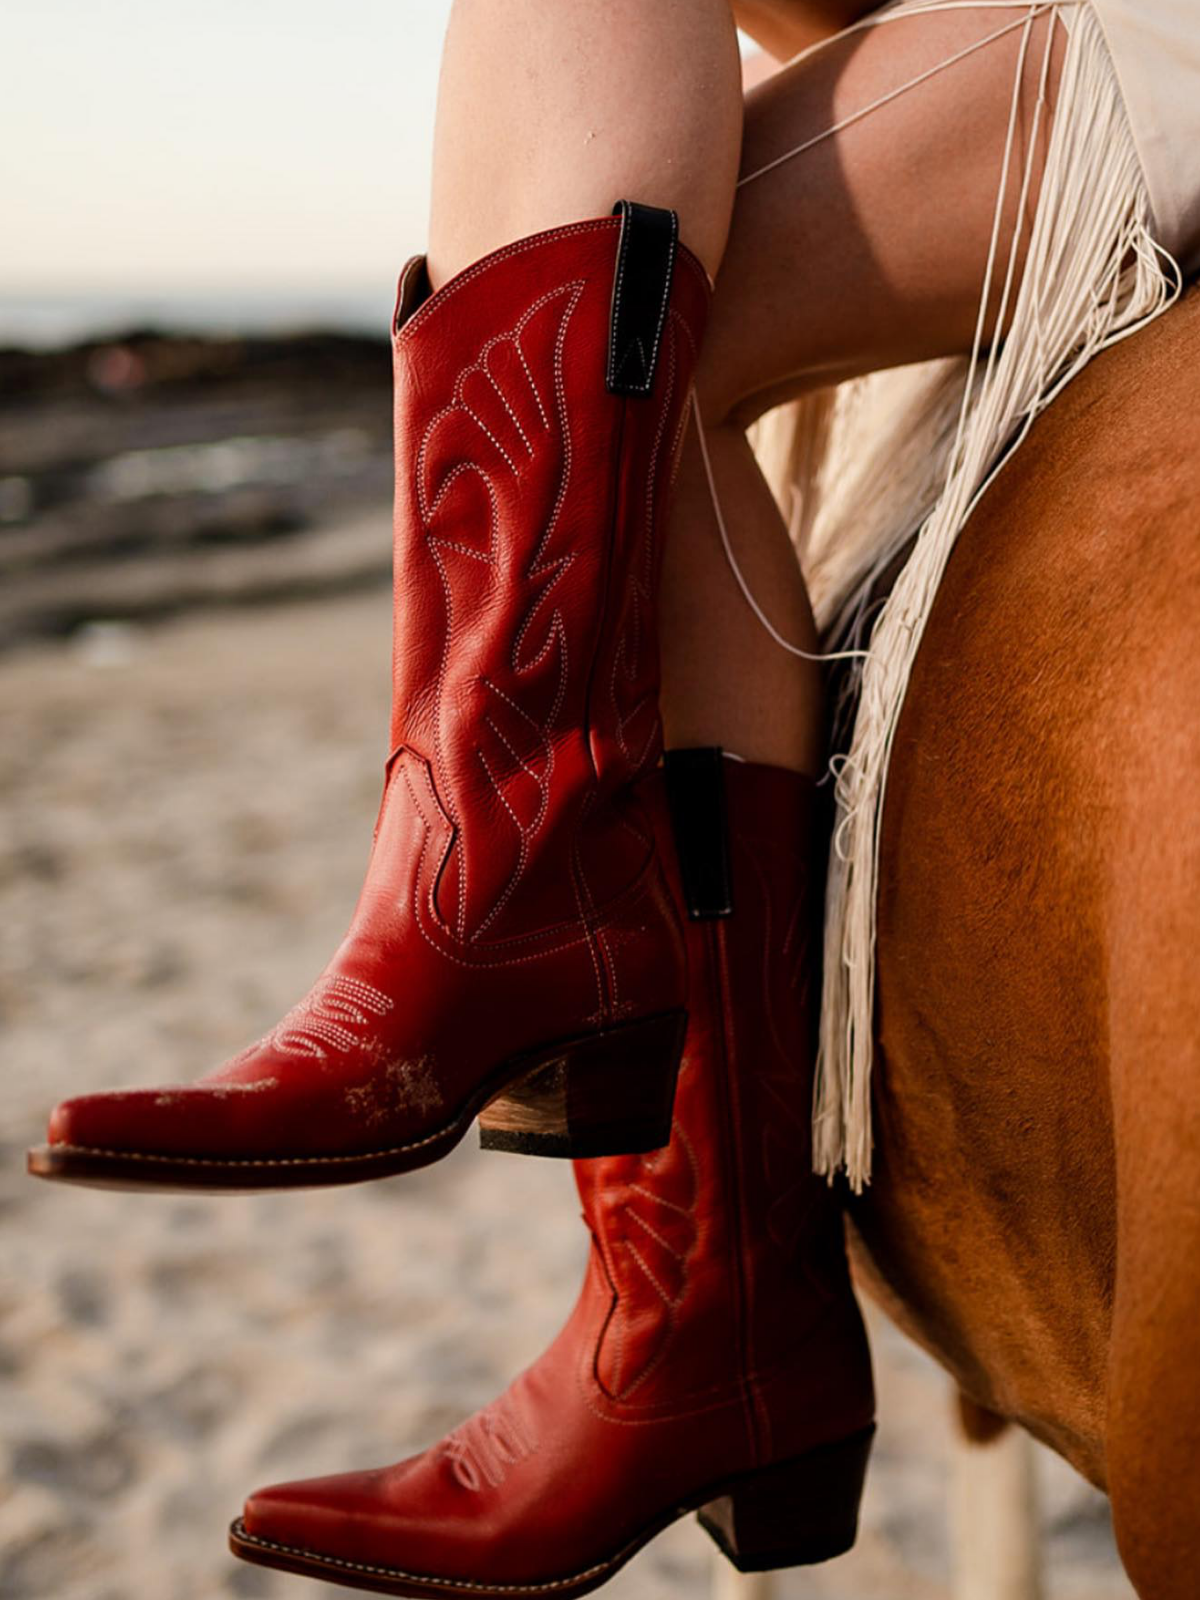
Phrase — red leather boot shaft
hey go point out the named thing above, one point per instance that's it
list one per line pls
(758, 1238)
(514, 910)
(529, 521)
(715, 1341)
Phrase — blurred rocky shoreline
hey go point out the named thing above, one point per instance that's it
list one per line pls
(150, 473)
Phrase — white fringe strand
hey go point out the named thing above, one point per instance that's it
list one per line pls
(1093, 274)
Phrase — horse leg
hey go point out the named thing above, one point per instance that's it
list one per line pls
(994, 1533)
(730, 1584)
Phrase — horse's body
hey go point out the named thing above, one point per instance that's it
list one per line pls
(1034, 1217)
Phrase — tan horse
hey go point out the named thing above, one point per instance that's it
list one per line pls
(1034, 1218)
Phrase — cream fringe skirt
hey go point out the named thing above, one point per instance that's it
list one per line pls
(862, 468)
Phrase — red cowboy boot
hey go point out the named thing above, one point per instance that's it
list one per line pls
(715, 1358)
(514, 944)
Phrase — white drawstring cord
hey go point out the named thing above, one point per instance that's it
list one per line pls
(731, 560)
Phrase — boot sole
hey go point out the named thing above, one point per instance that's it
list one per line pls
(606, 1093)
(813, 1499)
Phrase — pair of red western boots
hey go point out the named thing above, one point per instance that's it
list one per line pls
(595, 954)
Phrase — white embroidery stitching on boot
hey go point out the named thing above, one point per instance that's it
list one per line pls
(483, 1449)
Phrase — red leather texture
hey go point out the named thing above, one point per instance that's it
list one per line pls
(514, 896)
(715, 1332)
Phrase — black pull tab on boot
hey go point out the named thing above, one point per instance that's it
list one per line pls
(641, 286)
(695, 782)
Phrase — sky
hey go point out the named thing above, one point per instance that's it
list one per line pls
(171, 146)
(158, 154)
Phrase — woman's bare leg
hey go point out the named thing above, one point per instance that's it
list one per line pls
(552, 110)
(866, 251)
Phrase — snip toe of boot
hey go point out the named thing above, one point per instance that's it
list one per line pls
(101, 1121)
(296, 1513)
(333, 1520)
(112, 1140)
(166, 1120)
(133, 1138)
(61, 1126)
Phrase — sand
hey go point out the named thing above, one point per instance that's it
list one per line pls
(186, 814)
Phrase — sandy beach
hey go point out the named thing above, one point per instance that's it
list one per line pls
(186, 809)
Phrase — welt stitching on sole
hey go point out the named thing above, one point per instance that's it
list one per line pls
(241, 1533)
(253, 1161)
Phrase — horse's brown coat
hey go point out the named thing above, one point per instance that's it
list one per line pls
(1034, 1218)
